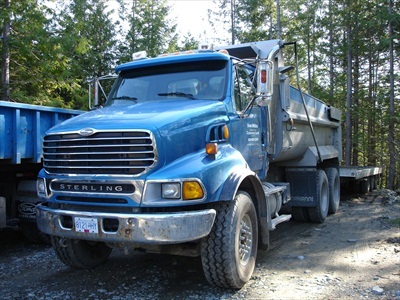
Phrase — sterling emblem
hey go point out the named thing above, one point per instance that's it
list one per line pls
(86, 131)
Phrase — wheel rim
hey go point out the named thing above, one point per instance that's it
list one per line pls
(337, 188)
(245, 240)
(324, 196)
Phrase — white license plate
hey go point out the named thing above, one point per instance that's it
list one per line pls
(87, 225)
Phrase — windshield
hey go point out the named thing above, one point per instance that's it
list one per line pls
(193, 80)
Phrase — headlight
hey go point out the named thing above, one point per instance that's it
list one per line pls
(171, 190)
(41, 187)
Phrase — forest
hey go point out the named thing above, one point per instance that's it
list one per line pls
(349, 55)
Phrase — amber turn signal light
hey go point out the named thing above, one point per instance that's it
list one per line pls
(211, 148)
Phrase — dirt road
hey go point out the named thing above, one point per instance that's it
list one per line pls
(355, 254)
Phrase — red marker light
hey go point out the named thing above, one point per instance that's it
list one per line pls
(263, 76)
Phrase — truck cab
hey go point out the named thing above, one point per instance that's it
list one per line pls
(194, 154)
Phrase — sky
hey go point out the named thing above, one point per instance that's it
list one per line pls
(191, 16)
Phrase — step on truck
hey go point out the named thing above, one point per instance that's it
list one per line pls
(22, 128)
(195, 153)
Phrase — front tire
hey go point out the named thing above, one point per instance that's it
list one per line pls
(229, 252)
(80, 254)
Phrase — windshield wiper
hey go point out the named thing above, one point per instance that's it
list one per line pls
(179, 94)
(124, 98)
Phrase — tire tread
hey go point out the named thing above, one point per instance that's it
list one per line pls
(218, 259)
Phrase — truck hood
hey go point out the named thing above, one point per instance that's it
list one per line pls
(156, 114)
(180, 127)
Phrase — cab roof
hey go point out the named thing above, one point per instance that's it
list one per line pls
(172, 58)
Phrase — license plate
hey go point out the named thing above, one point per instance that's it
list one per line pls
(86, 225)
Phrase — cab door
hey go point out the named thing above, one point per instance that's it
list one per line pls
(248, 132)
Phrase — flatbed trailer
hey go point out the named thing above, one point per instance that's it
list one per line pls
(361, 179)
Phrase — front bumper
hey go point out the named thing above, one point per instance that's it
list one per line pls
(154, 228)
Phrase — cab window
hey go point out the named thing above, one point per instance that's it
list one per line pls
(243, 89)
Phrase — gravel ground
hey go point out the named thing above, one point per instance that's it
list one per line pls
(355, 254)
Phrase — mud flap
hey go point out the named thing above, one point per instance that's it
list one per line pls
(303, 187)
(263, 241)
(27, 200)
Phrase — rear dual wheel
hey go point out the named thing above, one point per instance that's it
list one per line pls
(334, 189)
(318, 213)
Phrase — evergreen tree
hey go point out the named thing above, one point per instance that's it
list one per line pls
(189, 43)
(245, 20)
(29, 47)
(253, 20)
(149, 28)
(88, 38)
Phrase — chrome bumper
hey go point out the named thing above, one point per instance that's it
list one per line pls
(157, 228)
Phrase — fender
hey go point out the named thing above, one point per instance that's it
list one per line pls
(224, 176)
(214, 173)
(245, 179)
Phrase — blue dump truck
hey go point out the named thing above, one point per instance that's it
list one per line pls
(22, 128)
(195, 153)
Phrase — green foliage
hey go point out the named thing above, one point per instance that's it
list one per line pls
(28, 46)
(324, 31)
(251, 20)
(189, 43)
(149, 28)
(88, 39)
(53, 53)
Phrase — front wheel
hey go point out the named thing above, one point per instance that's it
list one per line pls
(229, 252)
(80, 254)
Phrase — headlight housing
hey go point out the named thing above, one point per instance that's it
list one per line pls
(159, 192)
(41, 187)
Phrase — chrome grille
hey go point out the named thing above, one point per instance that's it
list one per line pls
(114, 153)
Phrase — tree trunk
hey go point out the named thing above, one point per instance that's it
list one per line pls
(349, 90)
(233, 21)
(371, 147)
(331, 74)
(5, 68)
(308, 29)
(278, 18)
(392, 157)
(356, 104)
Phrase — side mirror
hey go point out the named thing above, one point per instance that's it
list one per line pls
(265, 82)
